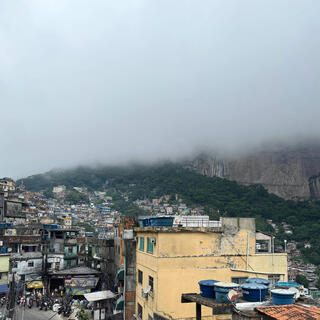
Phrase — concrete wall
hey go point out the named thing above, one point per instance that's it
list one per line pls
(4, 268)
(23, 268)
(54, 258)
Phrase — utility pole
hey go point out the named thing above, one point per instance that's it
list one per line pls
(45, 267)
(11, 295)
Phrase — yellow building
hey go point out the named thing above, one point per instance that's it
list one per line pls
(171, 260)
(4, 270)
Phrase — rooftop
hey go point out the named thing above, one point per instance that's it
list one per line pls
(76, 271)
(291, 312)
(178, 229)
(26, 255)
(99, 295)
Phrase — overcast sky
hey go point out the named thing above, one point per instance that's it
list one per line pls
(112, 81)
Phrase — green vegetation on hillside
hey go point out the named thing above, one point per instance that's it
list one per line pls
(75, 197)
(86, 227)
(218, 196)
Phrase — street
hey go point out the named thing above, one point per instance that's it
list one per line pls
(33, 314)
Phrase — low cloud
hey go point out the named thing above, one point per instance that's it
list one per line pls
(85, 82)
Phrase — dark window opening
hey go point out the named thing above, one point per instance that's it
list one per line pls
(151, 283)
(140, 311)
(140, 277)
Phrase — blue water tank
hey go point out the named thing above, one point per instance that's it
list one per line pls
(282, 296)
(207, 288)
(258, 280)
(285, 285)
(222, 289)
(254, 292)
(3, 250)
(161, 221)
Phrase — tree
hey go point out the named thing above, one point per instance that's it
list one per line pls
(301, 279)
(48, 193)
(75, 197)
(86, 227)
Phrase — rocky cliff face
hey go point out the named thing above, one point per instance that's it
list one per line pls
(314, 186)
(284, 172)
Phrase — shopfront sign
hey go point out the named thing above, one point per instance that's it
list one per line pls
(81, 283)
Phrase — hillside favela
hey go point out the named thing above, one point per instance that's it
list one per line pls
(160, 160)
(155, 242)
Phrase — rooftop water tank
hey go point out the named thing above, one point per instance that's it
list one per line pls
(222, 289)
(282, 296)
(207, 288)
(161, 221)
(254, 292)
(144, 221)
(258, 280)
(285, 285)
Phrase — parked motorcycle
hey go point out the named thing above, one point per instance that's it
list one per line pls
(67, 311)
(43, 305)
(30, 302)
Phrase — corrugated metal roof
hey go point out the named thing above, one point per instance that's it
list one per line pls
(99, 295)
(291, 312)
(75, 271)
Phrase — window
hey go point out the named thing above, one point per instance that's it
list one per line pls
(0, 275)
(49, 265)
(151, 283)
(15, 265)
(140, 277)
(141, 243)
(150, 246)
(139, 311)
(70, 249)
(30, 264)
(57, 265)
(239, 280)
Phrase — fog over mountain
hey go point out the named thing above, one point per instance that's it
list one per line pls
(85, 82)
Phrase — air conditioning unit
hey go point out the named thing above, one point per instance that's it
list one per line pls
(145, 292)
(153, 240)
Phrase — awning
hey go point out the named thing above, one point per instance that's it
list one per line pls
(120, 275)
(99, 295)
(4, 288)
(119, 304)
(35, 285)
